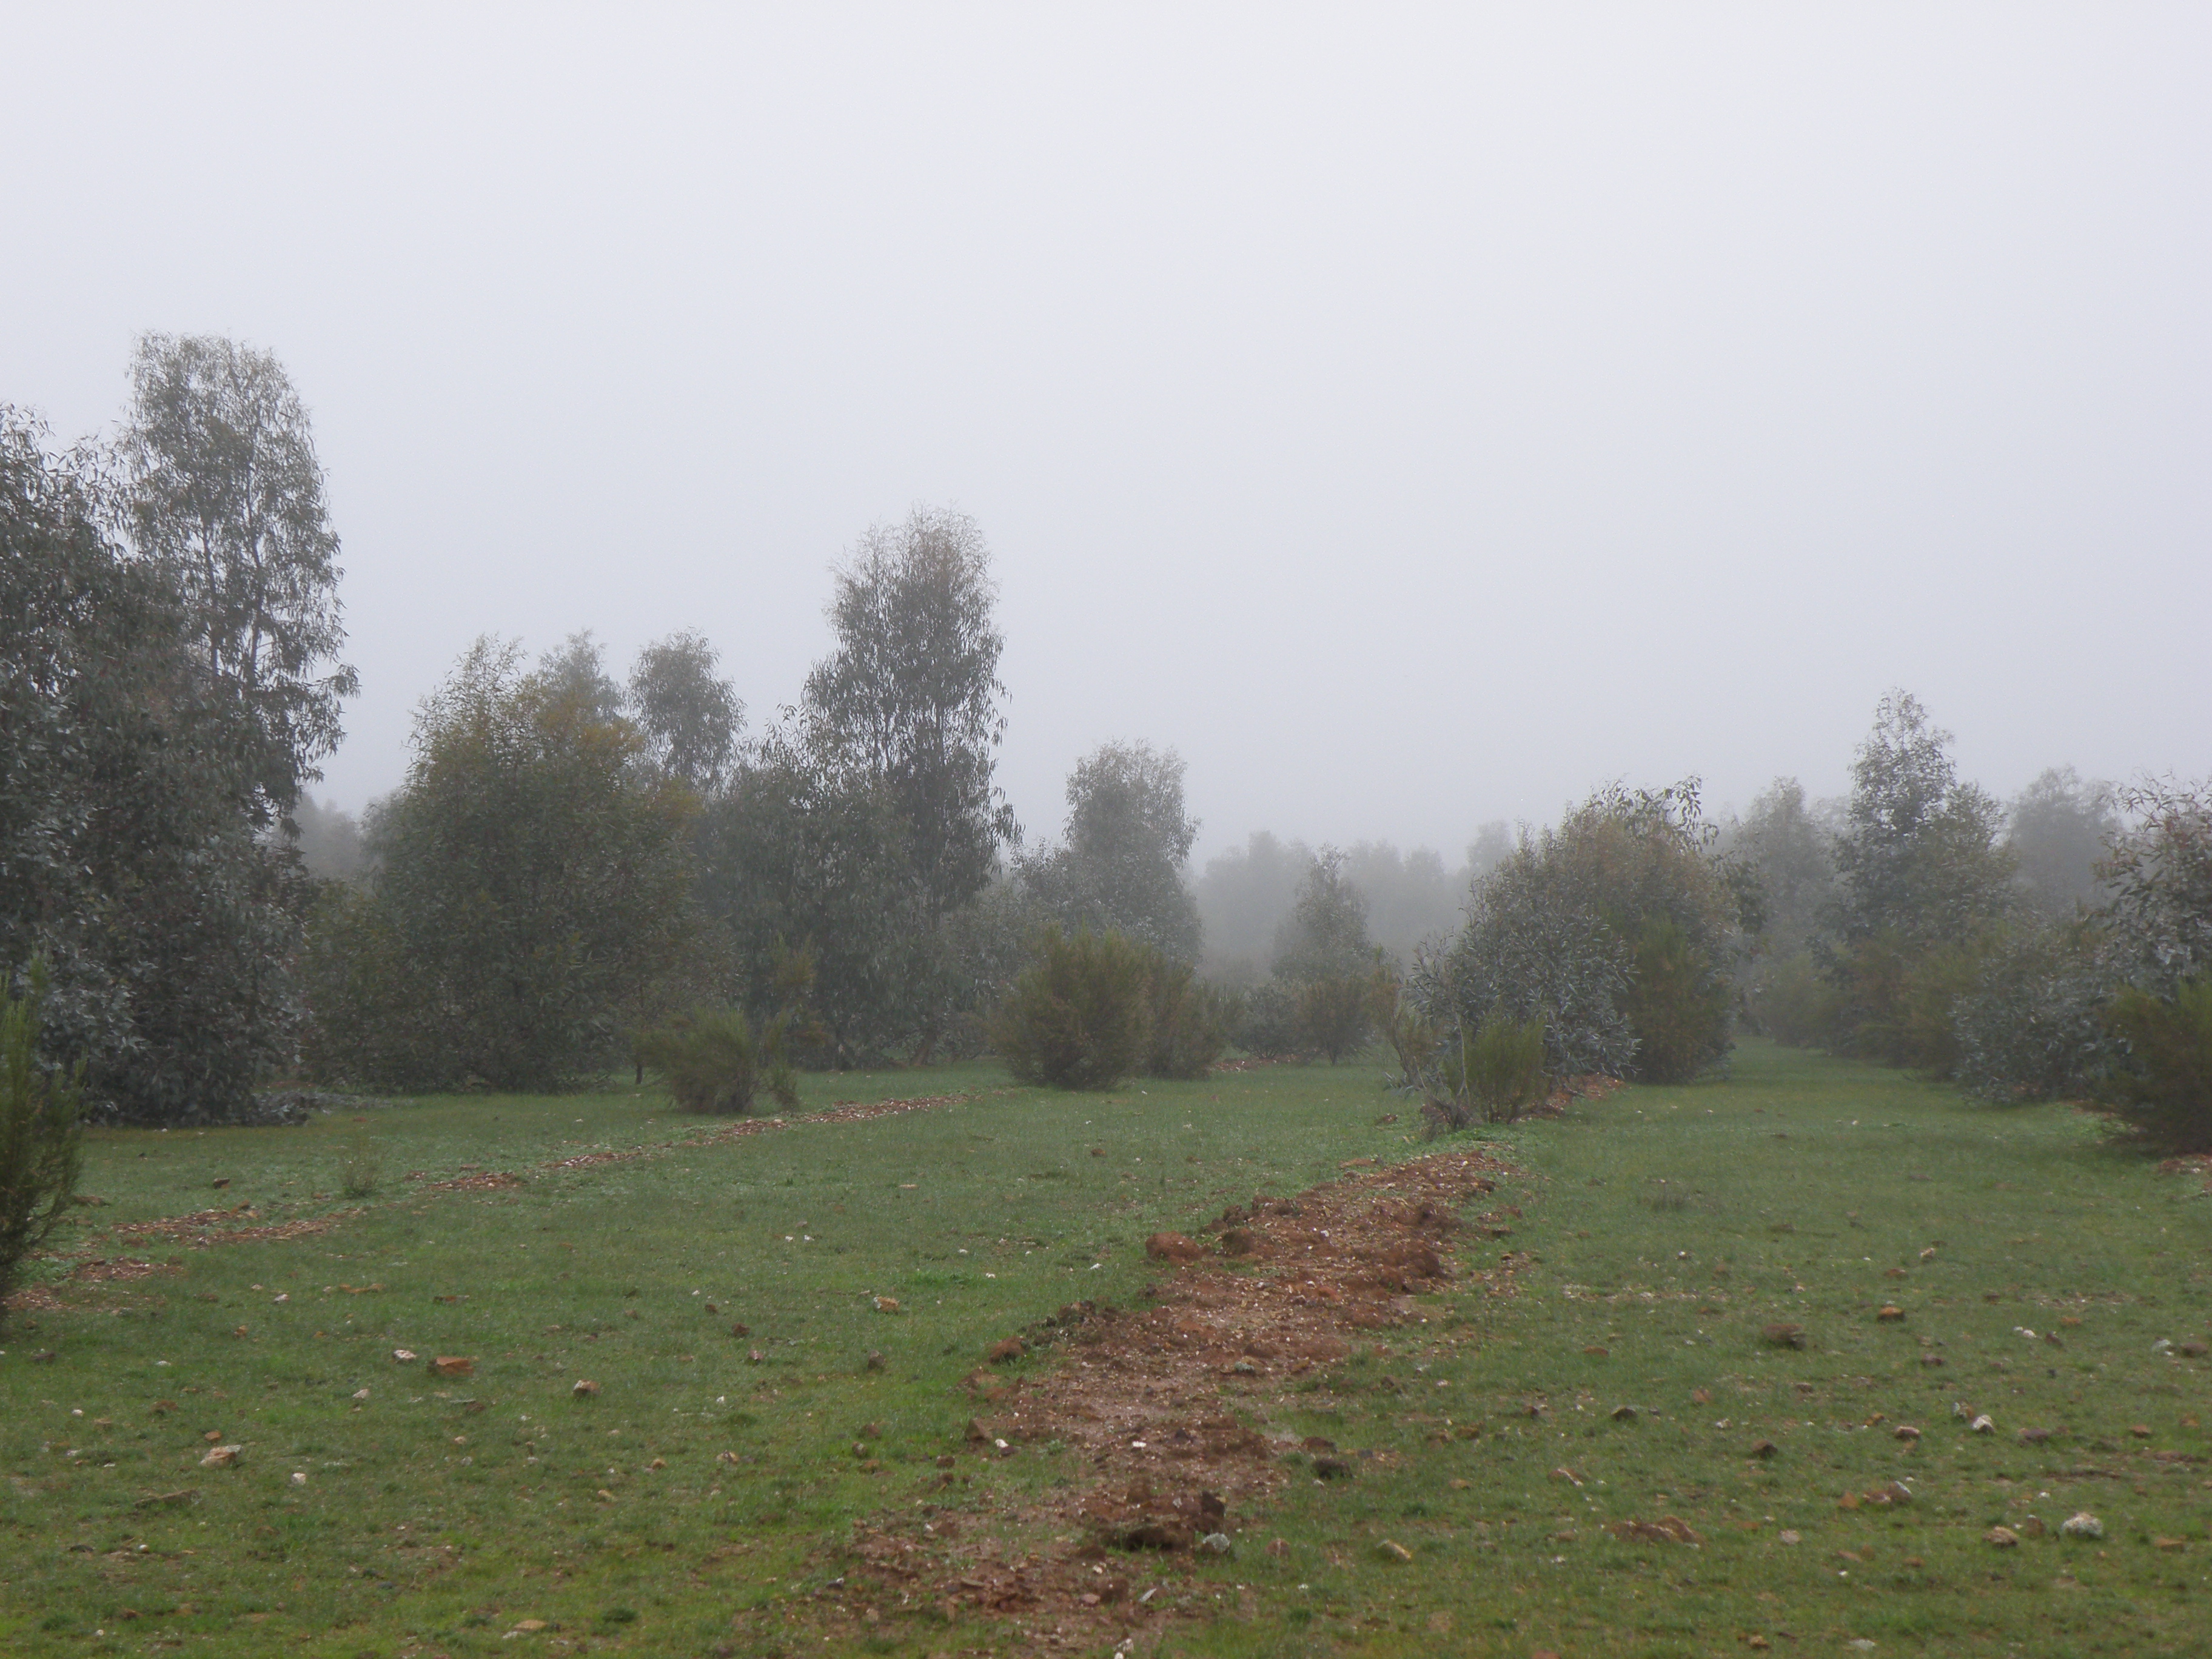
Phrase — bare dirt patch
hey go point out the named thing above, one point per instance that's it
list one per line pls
(1168, 1411)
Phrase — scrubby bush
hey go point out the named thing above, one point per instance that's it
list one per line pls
(1187, 1021)
(2034, 1025)
(1267, 1020)
(1334, 1016)
(717, 1061)
(1676, 1004)
(41, 1135)
(2165, 1089)
(1078, 1016)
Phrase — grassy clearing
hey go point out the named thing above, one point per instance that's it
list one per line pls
(1669, 1227)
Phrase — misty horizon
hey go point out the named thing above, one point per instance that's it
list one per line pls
(1414, 423)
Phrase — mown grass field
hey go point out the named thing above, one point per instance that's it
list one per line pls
(698, 1502)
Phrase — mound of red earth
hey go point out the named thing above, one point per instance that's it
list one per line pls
(1168, 1410)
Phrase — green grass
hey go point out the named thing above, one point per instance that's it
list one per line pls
(434, 1515)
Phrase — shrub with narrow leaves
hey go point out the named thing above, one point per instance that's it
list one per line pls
(719, 1062)
(1078, 1016)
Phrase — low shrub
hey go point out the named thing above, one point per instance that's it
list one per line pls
(717, 1062)
(1080, 1016)
(1334, 1015)
(1495, 1073)
(1268, 1020)
(360, 1171)
(2165, 1089)
(41, 1136)
(1188, 1021)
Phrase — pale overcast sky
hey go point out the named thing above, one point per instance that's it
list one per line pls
(1414, 416)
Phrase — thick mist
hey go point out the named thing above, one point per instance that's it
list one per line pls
(1412, 420)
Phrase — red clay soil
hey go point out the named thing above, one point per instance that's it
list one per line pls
(1168, 1409)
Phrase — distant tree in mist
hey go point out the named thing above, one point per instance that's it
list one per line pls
(909, 697)
(1788, 843)
(1244, 896)
(689, 716)
(1120, 867)
(1325, 935)
(1411, 896)
(224, 489)
(1924, 888)
(328, 840)
(575, 672)
(2057, 830)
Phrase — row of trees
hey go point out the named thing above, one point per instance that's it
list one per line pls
(2055, 947)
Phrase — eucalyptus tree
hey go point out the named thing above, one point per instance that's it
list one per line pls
(225, 489)
(129, 856)
(689, 716)
(909, 698)
(1128, 837)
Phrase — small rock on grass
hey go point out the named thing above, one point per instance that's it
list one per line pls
(585, 1388)
(2003, 1537)
(1389, 1550)
(220, 1457)
(2082, 1524)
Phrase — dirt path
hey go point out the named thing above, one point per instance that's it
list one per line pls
(1169, 1410)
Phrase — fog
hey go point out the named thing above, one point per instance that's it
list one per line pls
(1414, 419)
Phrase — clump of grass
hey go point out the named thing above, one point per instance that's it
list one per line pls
(361, 1168)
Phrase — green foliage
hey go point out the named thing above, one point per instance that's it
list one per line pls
(1502, 1068)
(2033, 1026)
(1924, 888)
(796, 857)
(361, 1169)
(2160, 874)
(2165, 1090)
(1077, 1018)
(1128, 836)
(41, 1135)
(531, 882)
(1675, 1003)
(1267, 1020)
(1187, 1021)
(717, 1062)
(1335, 1016)
(129, 857)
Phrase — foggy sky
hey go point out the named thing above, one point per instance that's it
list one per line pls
(1414, 416)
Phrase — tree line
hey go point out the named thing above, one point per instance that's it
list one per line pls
(584, 868)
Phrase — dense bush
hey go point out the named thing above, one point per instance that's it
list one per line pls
(1335, 1016)
(717, 1061)
(1187, 1021)
(1676, 1004)
(1266, 1020)
(2034, 1025)
(2165, 1089)
(41, 1135)
(1078, 1016)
